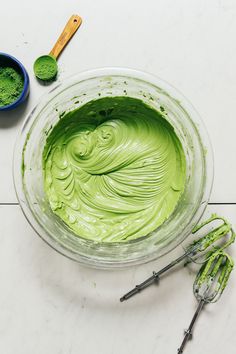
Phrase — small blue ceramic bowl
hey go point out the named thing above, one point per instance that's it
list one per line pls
(6, 59)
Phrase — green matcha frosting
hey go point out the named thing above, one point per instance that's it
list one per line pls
(114, 169)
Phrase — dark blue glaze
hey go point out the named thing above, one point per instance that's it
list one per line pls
(13, 62)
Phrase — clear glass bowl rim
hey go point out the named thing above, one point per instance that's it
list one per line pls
(113, 71)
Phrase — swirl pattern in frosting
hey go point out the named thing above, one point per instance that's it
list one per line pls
(114, 169)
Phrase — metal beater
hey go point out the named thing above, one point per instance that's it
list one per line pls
(195, 249)
(209, 285)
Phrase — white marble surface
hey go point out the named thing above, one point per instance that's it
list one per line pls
(52, 305)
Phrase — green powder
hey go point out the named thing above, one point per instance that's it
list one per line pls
(45, 68)
(11, 85)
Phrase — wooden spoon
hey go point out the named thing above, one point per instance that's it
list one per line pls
(45, 67)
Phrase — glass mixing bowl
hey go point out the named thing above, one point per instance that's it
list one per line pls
(75, 92)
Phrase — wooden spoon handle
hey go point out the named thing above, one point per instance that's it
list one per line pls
(71, 27)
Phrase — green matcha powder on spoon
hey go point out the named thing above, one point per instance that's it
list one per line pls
(45, 67)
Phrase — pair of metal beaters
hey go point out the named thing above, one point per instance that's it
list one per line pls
(216, 266)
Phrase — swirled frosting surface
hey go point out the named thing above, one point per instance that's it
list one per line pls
(114, 169)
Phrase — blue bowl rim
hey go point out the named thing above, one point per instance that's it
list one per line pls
(26, 82)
